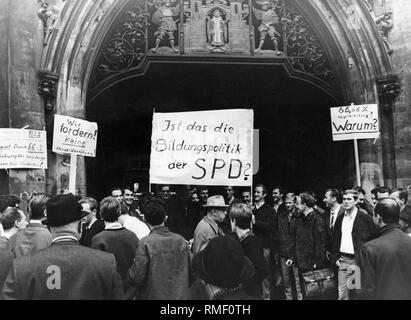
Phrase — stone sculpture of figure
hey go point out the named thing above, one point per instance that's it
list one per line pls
(269, 20)
(48, 15)
(384, 24)
(163, 17)
(217, 31)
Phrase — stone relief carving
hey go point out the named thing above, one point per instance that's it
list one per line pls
(269, 22)
(383, 22)
(164, 18)
(218, 27)
(48, 14)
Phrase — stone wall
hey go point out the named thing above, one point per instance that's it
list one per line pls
(20, 105)
(400, 40)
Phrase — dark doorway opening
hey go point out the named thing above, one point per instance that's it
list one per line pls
(296, 147)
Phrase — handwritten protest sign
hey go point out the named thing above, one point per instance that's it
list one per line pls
(202, 148)
(355, 122)
(23, 149)
(74, 136)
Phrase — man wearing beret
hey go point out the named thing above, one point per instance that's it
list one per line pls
(65, 270)
(386, 260)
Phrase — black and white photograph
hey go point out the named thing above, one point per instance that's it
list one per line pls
(189, 152)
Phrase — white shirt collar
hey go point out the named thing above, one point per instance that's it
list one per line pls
(337, 209)
(113, 225)
(36, 221)
(352, 215)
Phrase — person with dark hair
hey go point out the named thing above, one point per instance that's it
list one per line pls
(203, 196)
(7, 201)
(165, 193)
(246, 197)
(386, 260)
(383, 192)
(117, 193)
(92, 225)
(65, 270)
(35, 236)
(405, 210)
(183, 214)
(161, 267)
(224, 268)
(289, 274)
(12, 221)
(363, 203)
(374, 196)
(309, 237)
(132, 205)
(116, 239)
(278, 199)
(352, 230)
(241, 219)
(263, 228)
(332, 200)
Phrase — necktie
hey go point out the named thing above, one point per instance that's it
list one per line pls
(332, 221)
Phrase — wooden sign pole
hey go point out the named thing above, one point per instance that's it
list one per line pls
(73, 173)
(357, 163)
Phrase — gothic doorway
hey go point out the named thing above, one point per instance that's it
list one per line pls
(296, 148)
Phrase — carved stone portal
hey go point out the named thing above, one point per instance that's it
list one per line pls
(215, 27)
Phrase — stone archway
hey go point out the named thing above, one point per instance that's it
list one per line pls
(345, 28)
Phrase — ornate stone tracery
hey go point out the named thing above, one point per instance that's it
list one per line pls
(127, 45)
(139, 34)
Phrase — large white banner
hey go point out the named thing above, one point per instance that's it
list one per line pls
(355, 122)
(23, 149)
(202, 148)
(74, 136)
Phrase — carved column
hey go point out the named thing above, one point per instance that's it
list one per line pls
(388, 88)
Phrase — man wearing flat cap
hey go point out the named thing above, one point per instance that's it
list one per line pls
(65, 270)
(386, 260)
(208, 227)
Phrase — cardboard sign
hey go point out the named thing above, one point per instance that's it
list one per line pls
(23, 149)
(74, 136)
(355, 122)
(202, 148)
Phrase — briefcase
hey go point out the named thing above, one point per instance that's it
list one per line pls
(319, 282)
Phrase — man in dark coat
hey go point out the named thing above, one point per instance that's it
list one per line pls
(92, 225)
(65, 270)
(35, 236)
(161, 267)
(263, 228)
(354, 228)
(241, 217)
(116, 239)
(332, 200)
(183, 214)
(386, 260)
(12, 221)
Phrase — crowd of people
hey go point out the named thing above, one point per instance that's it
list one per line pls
(189, 244)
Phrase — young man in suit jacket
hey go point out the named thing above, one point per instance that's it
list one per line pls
(352, 229)
(65, 270)
(35, 236)
(332, 200)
